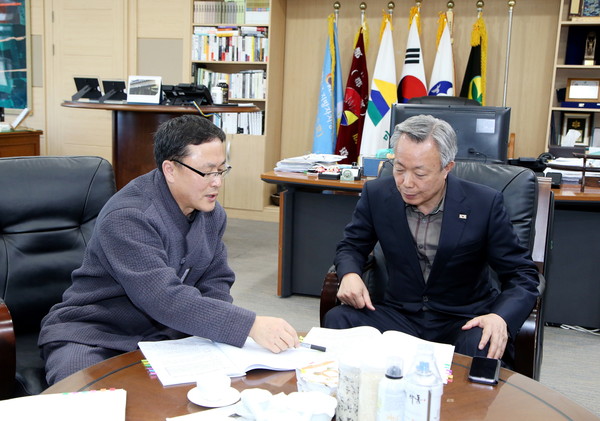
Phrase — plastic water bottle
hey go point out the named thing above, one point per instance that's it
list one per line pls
(424, 388)
(391, 394)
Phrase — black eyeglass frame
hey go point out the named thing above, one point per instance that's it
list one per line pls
(213, 174)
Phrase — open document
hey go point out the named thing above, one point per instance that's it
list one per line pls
(402, 344)
(183, 360)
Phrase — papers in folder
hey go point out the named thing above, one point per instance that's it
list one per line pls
(183, 360)
(305, 162)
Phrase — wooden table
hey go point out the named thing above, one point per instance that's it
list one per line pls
(133, 131)
(516, 397)
(20, 142)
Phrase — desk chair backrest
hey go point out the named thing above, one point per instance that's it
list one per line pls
(48, 209)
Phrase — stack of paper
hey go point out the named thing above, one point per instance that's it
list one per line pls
(305, 162)
(573, 177)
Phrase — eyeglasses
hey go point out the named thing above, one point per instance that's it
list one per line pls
(212, 175)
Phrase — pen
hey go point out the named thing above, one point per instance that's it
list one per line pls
(315, 347)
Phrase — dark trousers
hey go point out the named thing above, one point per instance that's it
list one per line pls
(425, 324)
(65, 358)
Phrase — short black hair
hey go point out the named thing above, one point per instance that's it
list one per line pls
(174, 135)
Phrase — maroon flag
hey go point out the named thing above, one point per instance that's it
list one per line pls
(356, 99)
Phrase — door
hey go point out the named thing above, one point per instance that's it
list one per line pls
(84, 38)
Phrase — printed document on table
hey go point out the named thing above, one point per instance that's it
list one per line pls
(183, 360)
(337, 341)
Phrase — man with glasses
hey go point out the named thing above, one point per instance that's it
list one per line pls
(156, 266)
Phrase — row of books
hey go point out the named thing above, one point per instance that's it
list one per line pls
(236, 48)
(232, 30)
(231, 11)
(248, 84)
(219, 11)
(240, 123)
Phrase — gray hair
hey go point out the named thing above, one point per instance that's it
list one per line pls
(419, 128)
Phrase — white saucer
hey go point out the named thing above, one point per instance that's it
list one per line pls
(228, 397)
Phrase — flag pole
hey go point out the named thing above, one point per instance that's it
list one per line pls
(391, 7)
(336, 10)
(480, 5)
(450, 20)
(363, 8)
(511, 6)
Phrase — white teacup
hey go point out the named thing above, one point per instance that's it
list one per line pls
(213, 385)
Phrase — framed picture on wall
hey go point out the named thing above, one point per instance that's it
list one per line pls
(573, 124)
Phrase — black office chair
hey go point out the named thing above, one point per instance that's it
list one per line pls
(530, 207)
(48, 211)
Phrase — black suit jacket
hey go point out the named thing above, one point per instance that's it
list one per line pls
(476, 234)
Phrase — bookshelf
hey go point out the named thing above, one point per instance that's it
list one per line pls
(242, 43)
(568, 66)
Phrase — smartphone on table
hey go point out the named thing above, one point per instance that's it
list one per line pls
(484, 370)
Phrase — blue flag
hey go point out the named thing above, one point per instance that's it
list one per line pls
(328, 117)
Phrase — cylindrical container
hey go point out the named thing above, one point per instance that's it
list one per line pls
(372, 370)
(348, 388)
(217, 95)
(225, 89)
(391, 393)
(424, 388)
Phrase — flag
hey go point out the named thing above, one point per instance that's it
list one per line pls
(442, 75)
(412, 82)
(327, 112)
(474, 82)
(356, 98)
(376, 131)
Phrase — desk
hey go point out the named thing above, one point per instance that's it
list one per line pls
(20, 143)
(133, 130)
(313, 214)
(515, 397)
(573, 290)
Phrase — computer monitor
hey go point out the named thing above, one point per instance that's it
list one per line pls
(482, 132)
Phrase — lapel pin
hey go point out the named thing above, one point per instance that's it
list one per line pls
(462, 216)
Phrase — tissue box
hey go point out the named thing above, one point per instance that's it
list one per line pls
(371, 166)
(318, 377)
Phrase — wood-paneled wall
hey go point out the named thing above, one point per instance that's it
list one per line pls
(531, 58)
